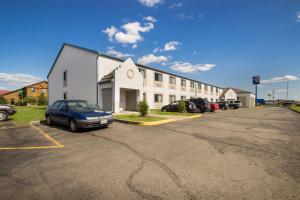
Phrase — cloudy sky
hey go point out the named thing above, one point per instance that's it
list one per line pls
(220, 42)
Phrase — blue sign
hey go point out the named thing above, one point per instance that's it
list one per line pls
(256, 80)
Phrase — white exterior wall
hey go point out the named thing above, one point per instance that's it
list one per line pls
(230, 95)
(81, 75)
(250, 99)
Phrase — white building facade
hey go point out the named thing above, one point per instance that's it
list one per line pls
(117, 85)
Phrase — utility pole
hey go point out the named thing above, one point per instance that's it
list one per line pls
(287, 91)
(273, 94)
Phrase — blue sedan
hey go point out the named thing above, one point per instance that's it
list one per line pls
(77, 114)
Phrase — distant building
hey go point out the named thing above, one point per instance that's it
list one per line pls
(245, 97)
(33, 90)
(3, 92)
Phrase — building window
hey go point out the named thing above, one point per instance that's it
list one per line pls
(65, 78)
(44, 91)
(12, 101)
(192, 84)
(212, 100)
(32, 89)
(199, 86)
(158, 77)
(183, 98)
(158, 98)
(183, 82)
(172, 80)
(65, 95)
(143, 72)
(192, 97)
(217, 90)
(212, 89)
(205, 87)
(172, 98)
(144, 97)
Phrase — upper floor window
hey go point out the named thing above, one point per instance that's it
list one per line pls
(32, 89)
(205, 87)
(212, 89)
(192, 84)
(158, 77)
(65, 78)
(217, 90)
(143, 72)
(199, 86)
(172, 80)
(183, 82)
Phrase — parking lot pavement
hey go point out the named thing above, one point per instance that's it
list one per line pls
(234, 154)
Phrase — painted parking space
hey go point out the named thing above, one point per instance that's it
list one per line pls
(26, 138)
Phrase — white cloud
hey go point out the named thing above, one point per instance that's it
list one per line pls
(150, 19)
(132, 32)
(280, 79)
(298, 16)
(150, 58)
(18, 80)
(150, 3)
(110, 32)
(117, 54)
(134, 46)
(183, 16)
(187, 67)
(169, 46)
(175, 5)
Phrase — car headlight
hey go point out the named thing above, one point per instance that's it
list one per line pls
(92, 118)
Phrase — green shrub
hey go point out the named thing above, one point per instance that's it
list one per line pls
(143, 108)
(42, 100)
(3, 101)
(182, 108)
(31, 100)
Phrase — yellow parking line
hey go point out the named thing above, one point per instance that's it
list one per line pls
(47, 136)
(28, 148)
(40, 131)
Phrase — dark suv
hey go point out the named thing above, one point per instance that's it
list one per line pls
(174, 107)
(202, 104)
(6, 111)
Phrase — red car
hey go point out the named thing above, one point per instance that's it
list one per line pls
(213, 107)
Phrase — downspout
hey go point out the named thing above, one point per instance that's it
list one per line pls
(97, 92)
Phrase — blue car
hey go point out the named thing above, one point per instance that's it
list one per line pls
(77, 114)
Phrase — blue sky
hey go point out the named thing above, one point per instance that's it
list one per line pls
(218, 42)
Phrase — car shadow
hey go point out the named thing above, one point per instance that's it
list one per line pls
(66, 129)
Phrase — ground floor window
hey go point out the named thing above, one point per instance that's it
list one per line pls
(172, 98)
(212, 100)
(183, 98)
(12, 101)
(65, 95)
(192, 97)
(144, 97)
(158, 98)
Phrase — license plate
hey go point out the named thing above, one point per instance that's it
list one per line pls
(103, 121)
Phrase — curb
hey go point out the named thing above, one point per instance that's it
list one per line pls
(294, 110)
(155, 122)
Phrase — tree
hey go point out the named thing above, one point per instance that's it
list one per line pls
(143, 108)
(182, 107)
(2, 100)
(42, 100)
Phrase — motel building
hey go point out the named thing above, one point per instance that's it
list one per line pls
(118, 85)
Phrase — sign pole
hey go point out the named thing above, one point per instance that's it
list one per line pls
(255, 94)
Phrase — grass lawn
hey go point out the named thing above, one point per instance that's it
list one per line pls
(158, 112)
(296, 108)
(27, 114)
(137, 118)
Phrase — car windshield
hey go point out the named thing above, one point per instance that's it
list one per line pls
(81, 105)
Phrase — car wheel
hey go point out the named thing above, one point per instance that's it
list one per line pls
(3, 116)
(48, 120)
(73, 126)
(164, 110)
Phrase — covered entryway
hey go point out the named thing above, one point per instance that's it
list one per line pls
(128, 99)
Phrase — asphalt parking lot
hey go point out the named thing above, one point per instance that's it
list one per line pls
(234, 154)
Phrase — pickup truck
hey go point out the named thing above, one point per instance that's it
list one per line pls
(6, 111)
(234, 104)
